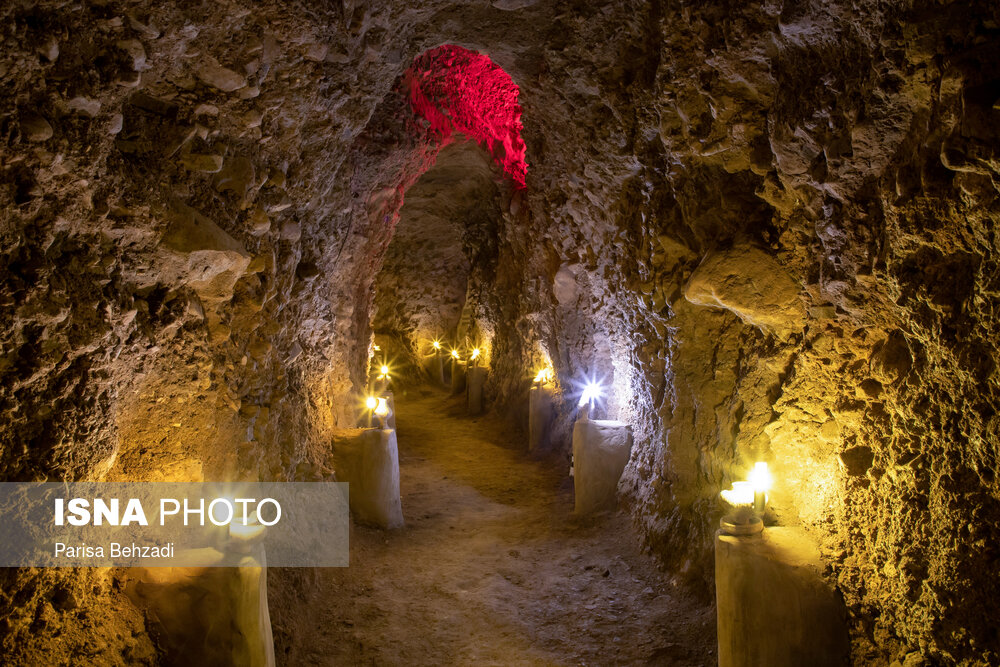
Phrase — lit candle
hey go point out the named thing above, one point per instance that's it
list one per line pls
(760, 479)
(591, 393)
(382, 411)
(741, 495)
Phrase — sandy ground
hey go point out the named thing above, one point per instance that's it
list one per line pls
(491, 568)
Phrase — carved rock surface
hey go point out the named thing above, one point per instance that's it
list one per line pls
(200, 254)
(750, 283)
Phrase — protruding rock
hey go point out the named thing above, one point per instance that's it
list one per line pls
(115, 126)
(316, 52)
(276, 179)
(213, 74)
(252, 119)
(206, 110)
(148, 31)
(259, 222)
(49, 49)
(198, 253)
(750, 283)
(236, 176)
(85, 106)
(209, 164)
(35, 128)
(136, 51)
(290, 231)
(155, 105)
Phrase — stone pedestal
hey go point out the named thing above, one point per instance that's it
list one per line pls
(208, 616)
(475, 381)
(774, 608)
(540, 401)
(601, 450)
(457, 377)
(369, 462)
(437, 366)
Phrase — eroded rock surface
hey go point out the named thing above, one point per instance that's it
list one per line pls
(752, 285)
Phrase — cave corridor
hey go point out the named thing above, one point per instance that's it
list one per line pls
(554, 332)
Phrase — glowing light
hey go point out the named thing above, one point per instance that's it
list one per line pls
(544, 375)
(740, 495)
(454, 354)
(760, 478)
(384, 370)
(378, 349)
(382, 409)
(371, 402)
(475, 353)
(456, 90)
(245, 532)
(591, 393)
(437, 345)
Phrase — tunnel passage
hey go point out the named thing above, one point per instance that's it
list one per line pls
(848, 145)
(444, 225)
(442, 212)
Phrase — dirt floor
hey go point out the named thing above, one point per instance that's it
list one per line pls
(491, 569)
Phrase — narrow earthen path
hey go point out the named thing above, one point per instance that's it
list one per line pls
(491, 568)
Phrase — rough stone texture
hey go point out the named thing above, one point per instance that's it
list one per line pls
(855, 143)
(749, 283)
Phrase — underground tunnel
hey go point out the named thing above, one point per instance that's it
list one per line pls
(500, 332)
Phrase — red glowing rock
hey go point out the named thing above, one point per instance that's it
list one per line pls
(456, 90)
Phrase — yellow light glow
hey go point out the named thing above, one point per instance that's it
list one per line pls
(370, 402)
(475, 353)
(384, 370)
(378, 349)
(454, 353)
(544, 375)
(245, 532)
(437, 345)
(760, 478)
(740, 495)
(383, 407)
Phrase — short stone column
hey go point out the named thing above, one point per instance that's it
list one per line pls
(457, 377)
(601, 450)
(540, 401)
(475, 381)
(774, 607)
(208, 615)
(368, 460)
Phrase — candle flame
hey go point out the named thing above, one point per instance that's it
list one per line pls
(740, 495)
(760, 477)
(544, 375)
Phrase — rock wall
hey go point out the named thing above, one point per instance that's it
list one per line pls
(767, 227)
